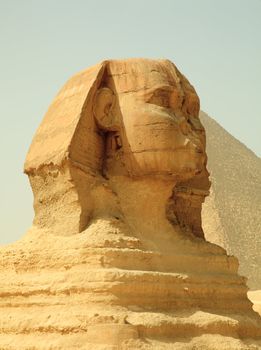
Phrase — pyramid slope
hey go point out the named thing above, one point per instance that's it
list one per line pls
(232, 213)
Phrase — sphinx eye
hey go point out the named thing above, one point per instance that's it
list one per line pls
(160, 98)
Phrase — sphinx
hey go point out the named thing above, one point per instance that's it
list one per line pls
(116, 257)
(128, 120)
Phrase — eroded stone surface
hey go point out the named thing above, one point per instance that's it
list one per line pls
(116, 257)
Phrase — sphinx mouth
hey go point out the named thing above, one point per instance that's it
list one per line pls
(190, 191)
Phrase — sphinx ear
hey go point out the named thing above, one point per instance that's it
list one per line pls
(104, 101)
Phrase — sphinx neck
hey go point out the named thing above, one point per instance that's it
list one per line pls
(144, 204)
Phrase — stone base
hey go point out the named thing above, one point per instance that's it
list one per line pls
(103, 289)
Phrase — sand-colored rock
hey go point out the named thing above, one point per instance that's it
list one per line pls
(232, 213)
(255, 297)
(116, 257)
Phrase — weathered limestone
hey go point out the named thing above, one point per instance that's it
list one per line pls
(116, 257)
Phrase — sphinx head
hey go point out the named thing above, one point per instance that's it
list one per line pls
(148, 113)
(132, 118)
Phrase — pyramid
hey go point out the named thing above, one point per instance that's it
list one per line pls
(232, 212)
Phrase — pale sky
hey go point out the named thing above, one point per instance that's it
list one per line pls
(215, 43)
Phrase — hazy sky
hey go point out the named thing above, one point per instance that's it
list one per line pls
(215, 43)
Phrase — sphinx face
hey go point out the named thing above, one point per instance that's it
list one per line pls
(160, 133)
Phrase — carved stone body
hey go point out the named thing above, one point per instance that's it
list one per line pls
(116, 257)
